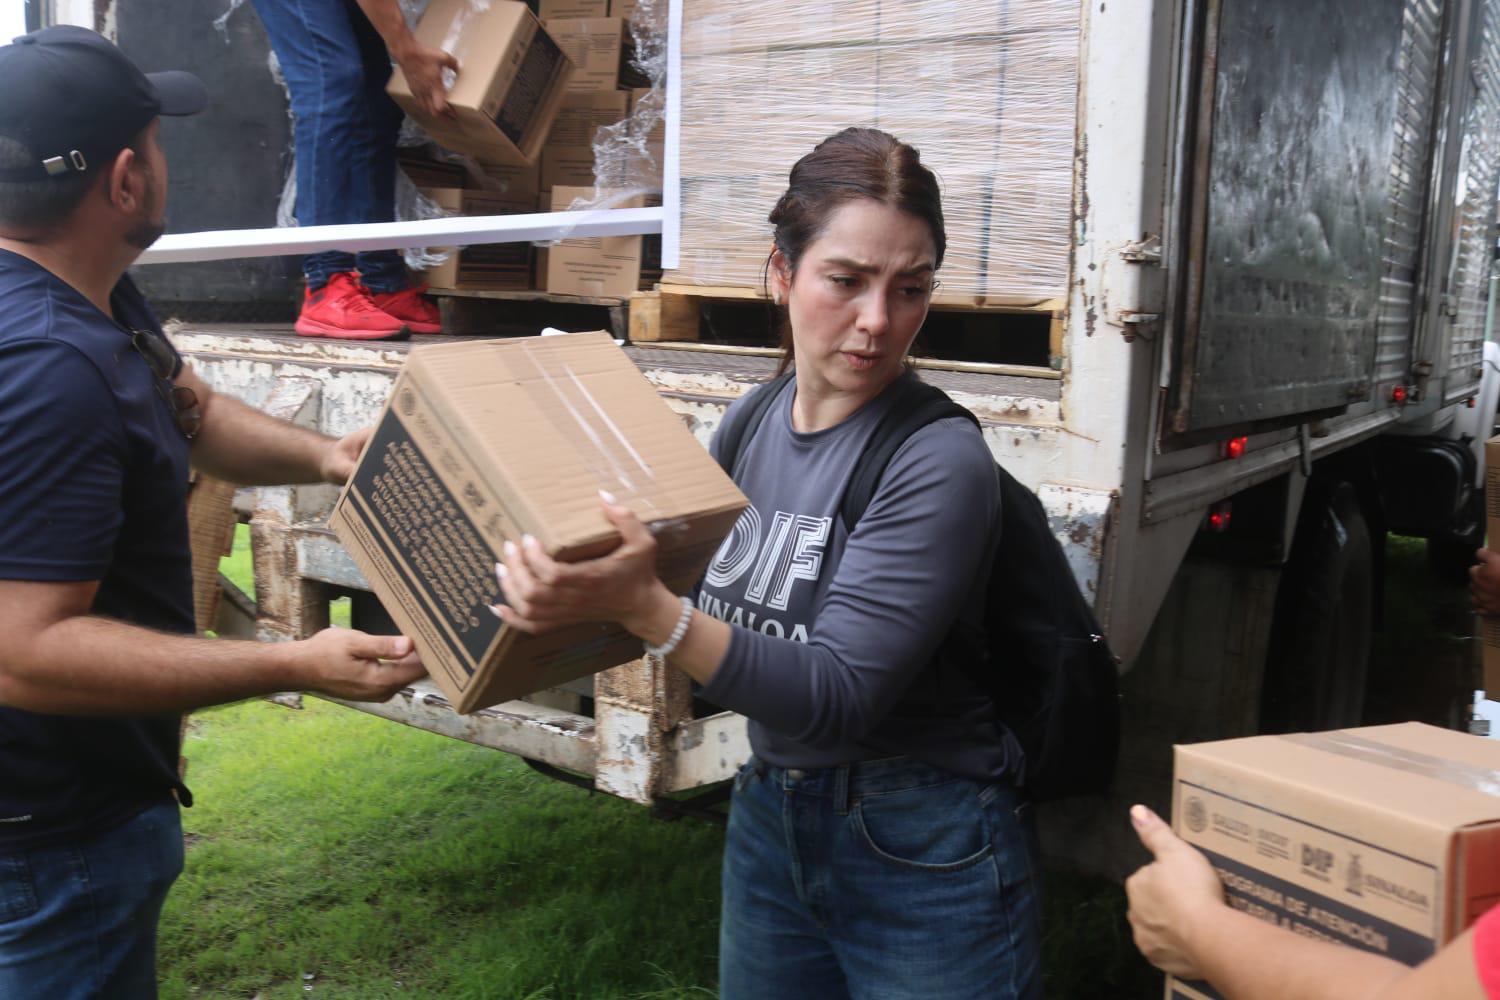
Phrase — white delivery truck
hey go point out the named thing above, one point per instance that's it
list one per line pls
(1267, 350)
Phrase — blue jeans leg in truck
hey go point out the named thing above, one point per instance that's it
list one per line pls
(78, 921)
(886, 880)
(344, 130)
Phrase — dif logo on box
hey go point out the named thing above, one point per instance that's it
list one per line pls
(1317, 861)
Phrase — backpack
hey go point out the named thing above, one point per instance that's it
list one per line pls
(1042, 655)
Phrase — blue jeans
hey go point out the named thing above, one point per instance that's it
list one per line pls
(345, 128)
(79, 920)
(886, 880)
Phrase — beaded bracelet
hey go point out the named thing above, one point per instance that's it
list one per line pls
(667, 648)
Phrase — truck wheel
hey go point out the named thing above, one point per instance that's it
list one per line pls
(1449, 557)
(1319, 652)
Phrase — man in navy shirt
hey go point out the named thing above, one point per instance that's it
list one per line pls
(99, 419)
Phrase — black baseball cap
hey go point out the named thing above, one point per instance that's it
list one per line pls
(75, 100)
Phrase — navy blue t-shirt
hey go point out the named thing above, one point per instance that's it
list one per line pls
(93, 486)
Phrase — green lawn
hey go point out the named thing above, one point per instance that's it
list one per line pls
(384, 862)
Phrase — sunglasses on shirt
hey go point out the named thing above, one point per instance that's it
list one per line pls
(162, 360)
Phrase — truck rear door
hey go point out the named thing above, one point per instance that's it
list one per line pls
(1303, 219)
(1458, 326)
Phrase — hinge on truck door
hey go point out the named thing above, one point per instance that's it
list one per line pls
(1146, 251)
(1132, 295)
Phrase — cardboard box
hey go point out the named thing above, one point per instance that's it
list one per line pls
(623, 8)
(428, 173)
(549, 9)
(568, 157)
(1490, 625)
(491, 440)
(989, 95)
(521, 185)
(1386, 838)
(597, 266)
(511, 79)
(569, 166)
(600, 49)
(502, 266)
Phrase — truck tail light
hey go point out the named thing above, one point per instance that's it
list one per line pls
(1218, 517)
(1235, 447)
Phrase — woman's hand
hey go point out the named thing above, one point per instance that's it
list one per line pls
(1170, 896)
(622, 587)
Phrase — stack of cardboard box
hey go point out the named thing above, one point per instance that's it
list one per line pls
(599, 266)
(986, 92)
(523, 78)
(501, 190)
(603, 92)
(530, 97)
(503, 266)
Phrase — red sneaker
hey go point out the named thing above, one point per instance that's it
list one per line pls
(412, 306)
(343, 309)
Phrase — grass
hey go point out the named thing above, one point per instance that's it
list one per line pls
(383, 862)
(1425, 662)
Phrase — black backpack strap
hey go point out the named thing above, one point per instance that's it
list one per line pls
(916, 405)
(741, 426)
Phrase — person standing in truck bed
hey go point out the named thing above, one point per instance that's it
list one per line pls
(335, 56)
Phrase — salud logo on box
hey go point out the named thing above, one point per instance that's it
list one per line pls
(1354, 876)
(1197, 814)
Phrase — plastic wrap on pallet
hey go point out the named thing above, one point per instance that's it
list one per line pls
(411, 204)
(628, 154)
(986, 91)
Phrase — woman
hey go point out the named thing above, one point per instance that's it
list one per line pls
(877, 845)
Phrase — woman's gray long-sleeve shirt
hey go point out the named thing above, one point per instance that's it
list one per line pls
(832, 659)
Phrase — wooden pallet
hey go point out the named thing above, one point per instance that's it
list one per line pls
(674, 312)
(524, 295)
